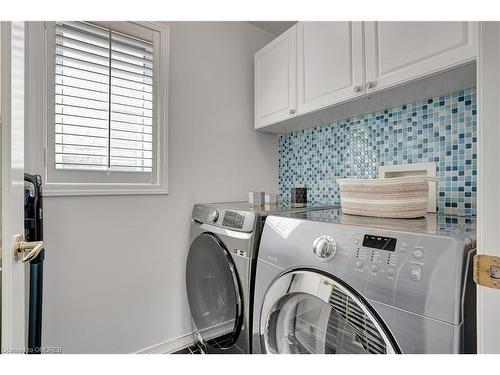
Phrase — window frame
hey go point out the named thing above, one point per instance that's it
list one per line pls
(60, 182)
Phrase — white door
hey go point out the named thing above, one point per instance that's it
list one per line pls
(12, 117)
(330, 63)
(488, 85)
(276, 80)
(397, 52)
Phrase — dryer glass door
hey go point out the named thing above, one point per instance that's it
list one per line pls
(306, 312)
(213, 291)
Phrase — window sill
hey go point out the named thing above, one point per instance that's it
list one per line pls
(68, 190)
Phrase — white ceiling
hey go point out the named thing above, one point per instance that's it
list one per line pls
(274, 27)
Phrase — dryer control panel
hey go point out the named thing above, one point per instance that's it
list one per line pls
(421, 270)
(381, 255)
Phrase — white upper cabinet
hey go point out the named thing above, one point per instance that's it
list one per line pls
(315, 65)
(329, 63)
(397, 52)
(276, 80)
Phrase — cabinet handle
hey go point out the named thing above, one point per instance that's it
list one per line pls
(357, 88)
(370, 85)
(291, 111)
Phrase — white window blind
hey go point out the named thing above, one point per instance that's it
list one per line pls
(103, 99)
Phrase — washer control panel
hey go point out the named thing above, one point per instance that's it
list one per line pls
(385, 256)
(212, 215)
(233, 219)
(230, 219)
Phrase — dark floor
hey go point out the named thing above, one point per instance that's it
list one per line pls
(196, 348)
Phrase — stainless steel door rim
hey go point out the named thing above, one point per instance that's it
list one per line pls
(214, 294)
(321, 290)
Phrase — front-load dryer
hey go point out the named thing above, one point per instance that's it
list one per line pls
(220, 271)
(333, 283)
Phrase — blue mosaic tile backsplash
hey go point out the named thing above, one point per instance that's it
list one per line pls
(440, 129)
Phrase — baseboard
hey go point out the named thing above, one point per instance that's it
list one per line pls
(171, 346)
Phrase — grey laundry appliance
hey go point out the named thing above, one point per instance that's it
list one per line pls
(220, 271)
(333, 283)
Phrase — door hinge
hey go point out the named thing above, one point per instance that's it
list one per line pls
(487, 270)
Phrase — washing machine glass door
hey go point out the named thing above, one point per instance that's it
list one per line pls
(213, 291)
(307, 312)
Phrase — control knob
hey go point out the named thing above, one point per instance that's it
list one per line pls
(324, 247)
(212, 215)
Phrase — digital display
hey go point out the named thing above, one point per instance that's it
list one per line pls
(379, 242)
(233, 220)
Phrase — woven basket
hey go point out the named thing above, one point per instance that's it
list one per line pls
(399, 197)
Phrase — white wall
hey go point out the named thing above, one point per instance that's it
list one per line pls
(114, 275)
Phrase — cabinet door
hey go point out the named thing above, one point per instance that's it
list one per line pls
(330, 63)
(397, 52)
(276, 80)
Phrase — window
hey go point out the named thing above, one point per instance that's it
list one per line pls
(106, 128)
(103, 99)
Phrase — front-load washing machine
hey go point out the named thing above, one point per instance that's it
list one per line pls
(333, 283)
(220, 271)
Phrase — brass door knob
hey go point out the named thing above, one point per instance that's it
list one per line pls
(26, 251)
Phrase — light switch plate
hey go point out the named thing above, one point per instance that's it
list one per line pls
(419, 169)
